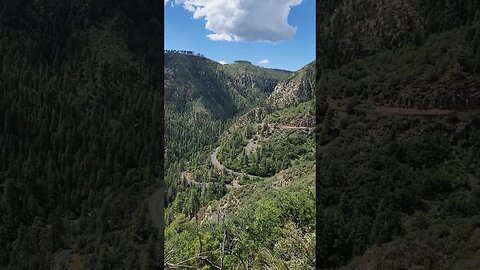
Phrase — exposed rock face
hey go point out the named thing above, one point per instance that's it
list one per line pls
(298, 88)
(248, 78)
(247, 81)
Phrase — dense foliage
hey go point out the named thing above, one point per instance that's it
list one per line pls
(213, 223)
(289, 115)
(400, 180)
(259, 225)
(396, 190)
(202, 97)
(352, 29)
(81, 113)
(276, 150)
(441, 73)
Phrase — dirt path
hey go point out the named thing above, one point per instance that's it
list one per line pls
(251, 146)
(295, 128)
(385, 110)
(390, 110)
(191, 182)
(287, 127)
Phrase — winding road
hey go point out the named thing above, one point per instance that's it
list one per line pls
(295, 128)
(385, 110)
(156, 201)
(216, 163)
(220, 167)
(391, 110)
(251, 146)
(287, 127)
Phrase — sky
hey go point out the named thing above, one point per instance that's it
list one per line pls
(268, 33)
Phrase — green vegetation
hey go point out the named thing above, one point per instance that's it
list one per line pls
(215, 219)
(262, 74)
(202, 98)
(263, 227)
(400, 191)
(290, 114)
(441, 73)
(399, 181)
(80, 132)
(275, 152)
(349, 30)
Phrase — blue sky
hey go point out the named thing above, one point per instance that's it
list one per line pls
(252, 30)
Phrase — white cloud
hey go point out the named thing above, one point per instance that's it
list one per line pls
(221, 37)
(222, 62)
(166, 1)
(264, 62)
(244, 20)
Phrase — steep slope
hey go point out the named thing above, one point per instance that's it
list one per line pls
(254, 216)
(245, 75)
(397, 152)
(289, 93)
(192, 83)
(350, 29)
(81, 133)
(297, 88)
(290, 105)
(441, 73)
(221, 90)
(202, 97)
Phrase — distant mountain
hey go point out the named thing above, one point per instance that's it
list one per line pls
(221, 90)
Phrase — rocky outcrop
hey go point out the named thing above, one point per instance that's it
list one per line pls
(298, 88)
(249, 81)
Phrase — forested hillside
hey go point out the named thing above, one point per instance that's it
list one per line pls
(225, 212)
(81, 133)
(298, 88)
(349, 29)
(397, 145)
(202, 97)
(289, 106)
